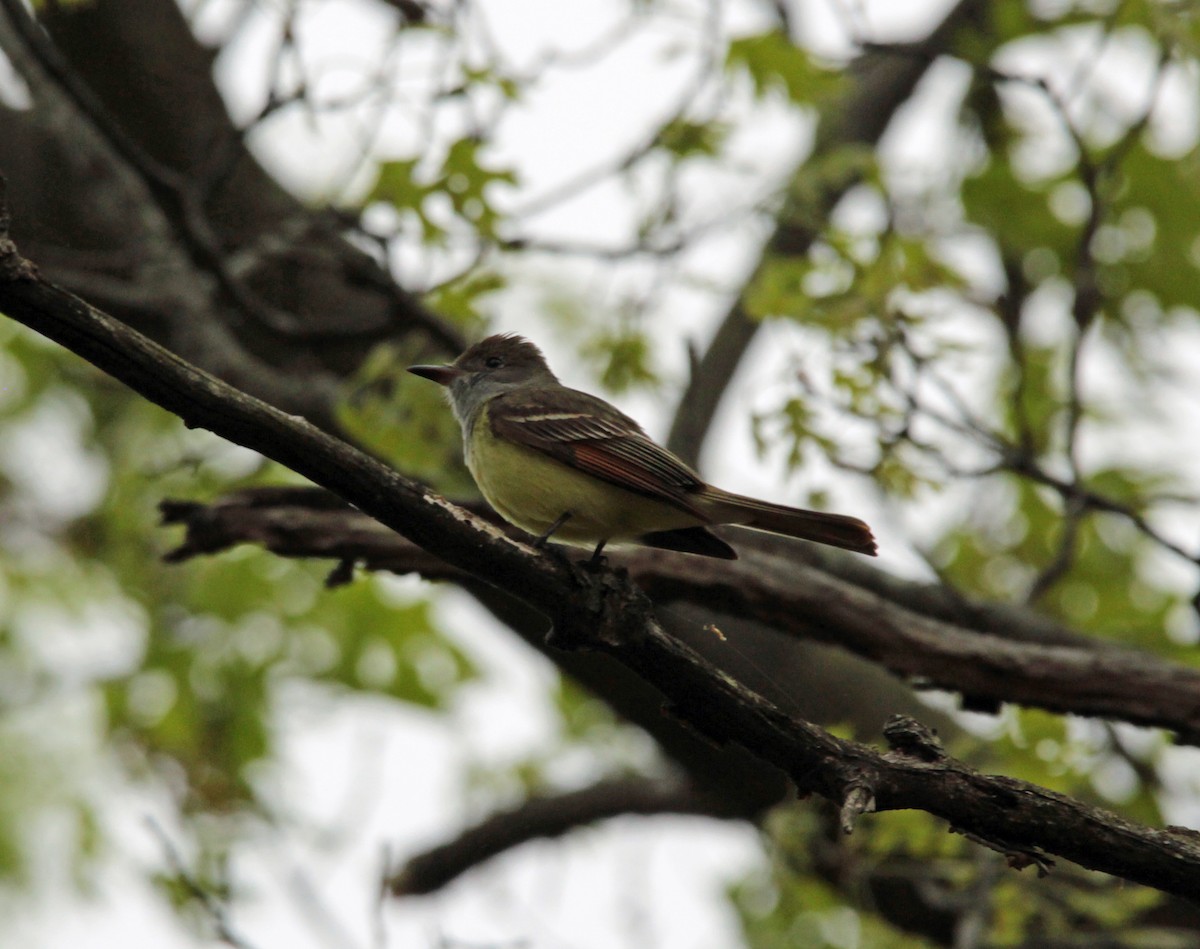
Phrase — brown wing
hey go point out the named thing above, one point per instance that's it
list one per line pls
(587, 433)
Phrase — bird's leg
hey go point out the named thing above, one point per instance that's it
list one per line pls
(597, 559)
(549, 532)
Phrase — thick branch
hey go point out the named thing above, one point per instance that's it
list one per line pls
(602, 611)
(1088, 678)
(545, 816)
(1078, 674)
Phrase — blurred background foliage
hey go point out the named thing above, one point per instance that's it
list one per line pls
(1000, 357)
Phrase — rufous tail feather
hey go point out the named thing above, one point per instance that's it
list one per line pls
(836, 530)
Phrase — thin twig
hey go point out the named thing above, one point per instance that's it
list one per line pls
(214, 907)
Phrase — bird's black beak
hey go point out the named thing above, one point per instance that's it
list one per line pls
(442, 375)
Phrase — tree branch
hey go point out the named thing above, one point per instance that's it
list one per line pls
(1072, 674)
(600, 610)
(1087, 678)
(544, 816)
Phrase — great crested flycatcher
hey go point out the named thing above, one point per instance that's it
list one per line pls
(558, 462)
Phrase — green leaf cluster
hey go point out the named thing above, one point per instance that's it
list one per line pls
(684, 138)
(459, 189)
(406, 419)
(624, 357)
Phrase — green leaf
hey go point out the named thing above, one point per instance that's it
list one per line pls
(465, 178)
(396, 183)
(686, 139)
(625, 357)
(1154, 236)
(460, 300)
(775, 64)
(1017, 214)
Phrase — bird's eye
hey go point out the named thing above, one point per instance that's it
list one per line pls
(493, 362)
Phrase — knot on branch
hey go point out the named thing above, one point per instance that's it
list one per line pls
(858, 798)
(909, 737)
(13, 266)
(601, 612)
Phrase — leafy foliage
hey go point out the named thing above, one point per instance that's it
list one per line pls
(182, 663)
(464, 178)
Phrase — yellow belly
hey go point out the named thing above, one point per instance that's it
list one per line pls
(532, 491)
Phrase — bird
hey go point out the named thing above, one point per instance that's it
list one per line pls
(560, 463)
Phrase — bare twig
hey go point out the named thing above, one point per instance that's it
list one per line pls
(214, 906)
